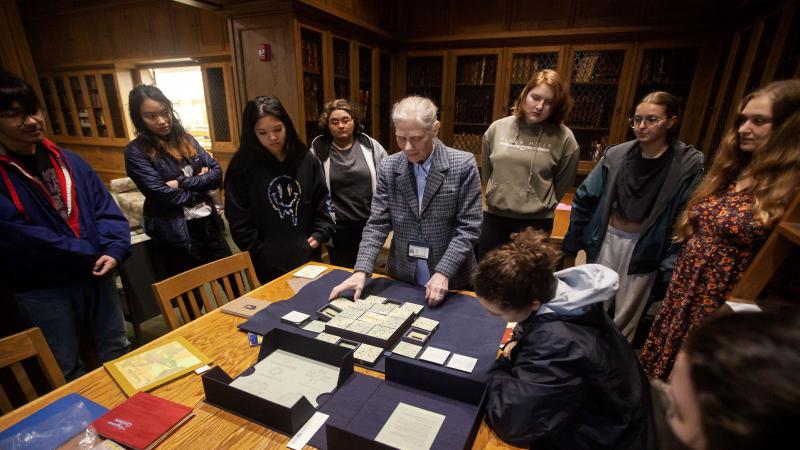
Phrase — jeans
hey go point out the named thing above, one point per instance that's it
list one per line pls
(65, 313)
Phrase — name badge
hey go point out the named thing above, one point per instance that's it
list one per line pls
(418, 250)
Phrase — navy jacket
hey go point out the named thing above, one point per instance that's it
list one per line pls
(38, 248)
(163, 206)
(573, 381)
(591, 208)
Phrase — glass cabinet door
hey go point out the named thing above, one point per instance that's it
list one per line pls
(313, 91)
(595, 83)
(424, 77)
(365, 88)
(114, 107)
(81, 108)
(51, 105)
(96, 105)
(341, 68)
(474, 100)
(66, 108)
(523, 66)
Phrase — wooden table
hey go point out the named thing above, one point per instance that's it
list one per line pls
(216, 334)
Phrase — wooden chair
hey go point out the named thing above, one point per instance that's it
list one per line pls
(181, 288)
(18, 347)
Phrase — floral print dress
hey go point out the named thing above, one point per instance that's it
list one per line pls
(726, 238)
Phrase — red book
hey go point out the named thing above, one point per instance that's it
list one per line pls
(142, 421)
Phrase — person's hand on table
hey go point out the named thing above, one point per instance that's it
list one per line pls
(355, 281)
(436, 288)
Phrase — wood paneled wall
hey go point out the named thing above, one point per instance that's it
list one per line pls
(95, 32)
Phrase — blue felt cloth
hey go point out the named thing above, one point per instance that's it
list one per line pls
(363, 405)
(464, 326)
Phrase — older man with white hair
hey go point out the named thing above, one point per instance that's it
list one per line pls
(430, 196)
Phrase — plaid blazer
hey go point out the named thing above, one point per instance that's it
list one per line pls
(450, 219)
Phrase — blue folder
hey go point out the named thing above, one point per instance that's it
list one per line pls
(60, 420)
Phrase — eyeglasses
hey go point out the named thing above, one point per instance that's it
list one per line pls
(18, 117)
(635, 121)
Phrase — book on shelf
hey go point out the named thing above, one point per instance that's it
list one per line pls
(142, 421)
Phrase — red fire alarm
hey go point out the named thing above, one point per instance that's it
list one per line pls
(264, 53)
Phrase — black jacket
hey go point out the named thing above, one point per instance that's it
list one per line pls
(573, 381)
(273, 207)
(163, 206)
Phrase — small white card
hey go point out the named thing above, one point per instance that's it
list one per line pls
(315, 326)
(295, 317)
(307, 431)
(406, 349)
(462, 363)
(373, 299)
(434, 355)
(310, 271)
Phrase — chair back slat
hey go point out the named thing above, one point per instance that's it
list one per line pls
(215, 273)
(239, 282)
(18, 347)
(24, 382)
(226, 284)
(206, 303)
(182, 308)
(193, 305)
(217, 292)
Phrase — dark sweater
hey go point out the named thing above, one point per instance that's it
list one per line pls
(273, 207)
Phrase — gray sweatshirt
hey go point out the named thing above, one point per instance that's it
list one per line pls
(527, 168)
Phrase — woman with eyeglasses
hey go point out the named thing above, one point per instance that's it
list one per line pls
(175, 175)
(350, 159)
(275, 194)
(756, 172)
(623, 213)
(528, 162)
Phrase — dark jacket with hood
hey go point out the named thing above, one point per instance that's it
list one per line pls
(273, 207)
(592, 204)
(572, 381)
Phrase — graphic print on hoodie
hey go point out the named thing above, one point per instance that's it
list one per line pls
(284, 195)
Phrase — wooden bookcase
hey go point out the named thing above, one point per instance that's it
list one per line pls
(334, 67)
(474, 87)
(87, 107)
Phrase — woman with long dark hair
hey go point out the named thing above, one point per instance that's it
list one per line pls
(175, 175)
(755, 174)
(275, 194)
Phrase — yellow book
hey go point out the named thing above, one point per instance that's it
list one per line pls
(147, 368)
